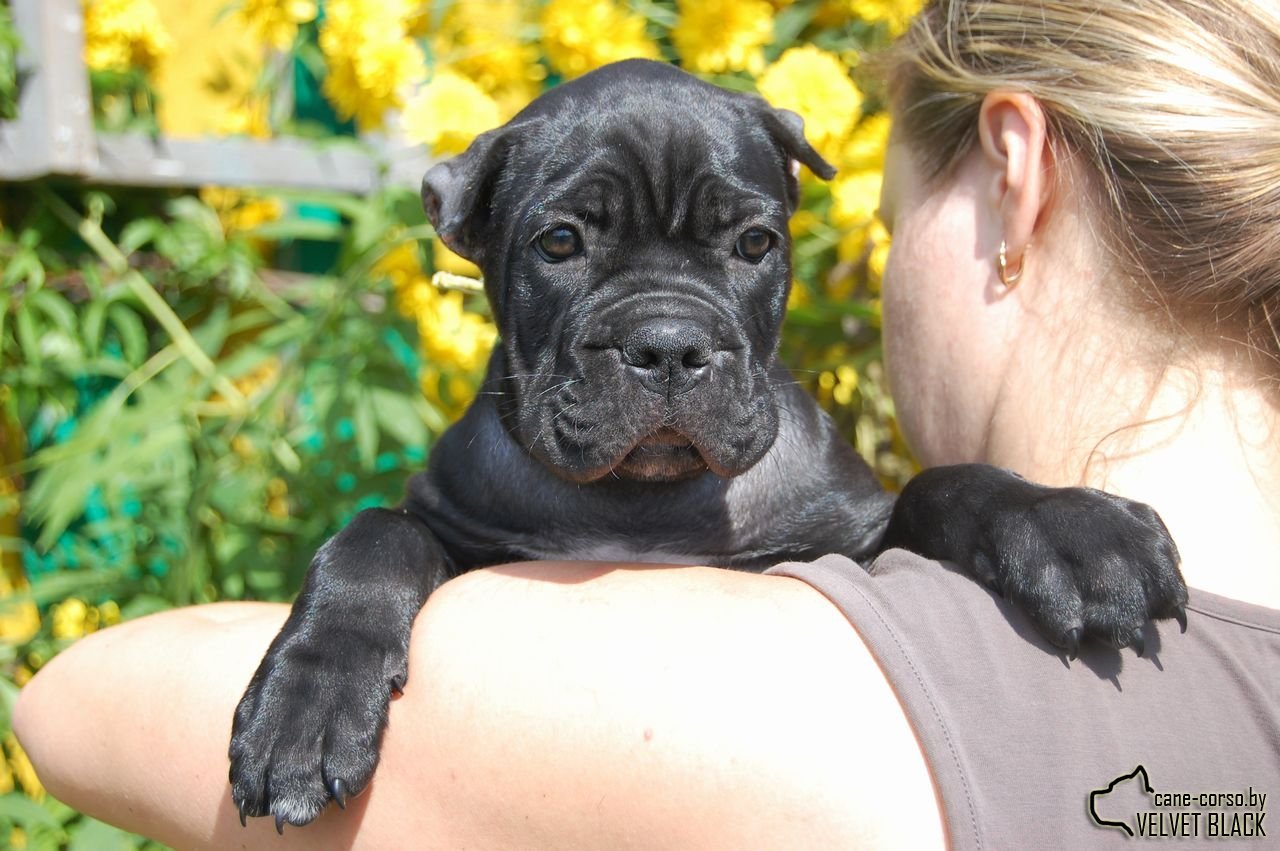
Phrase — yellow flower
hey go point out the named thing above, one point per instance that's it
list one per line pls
(22, 675)
(839, 385)
(71, 619)
(879, 256)
(863, 243)
(895, 14)
(452, 337)
(123, 34)
(866, 146)
(488, 42)
(803, 223)
(444, 260)
(581, 35)
(815, 84)
(19, 621)
(400, 265)
(6, 785)
(369, 57)
(714, 36)
(451, 334)
(449, 112)
(239, 211)
(109, 613)
(276, 21)
(278, 498)
(450, 394)
(799, 295)
(22, 769)
(262, 376)
(855, 198)
(248, 117)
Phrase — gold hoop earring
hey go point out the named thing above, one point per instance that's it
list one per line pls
(1002, 261)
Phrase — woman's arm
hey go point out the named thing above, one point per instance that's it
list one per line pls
(548, 705)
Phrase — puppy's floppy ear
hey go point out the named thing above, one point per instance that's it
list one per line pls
(456, 194)
(787, 129)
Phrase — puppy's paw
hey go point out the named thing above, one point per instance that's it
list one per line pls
(308, 727)
(1083, 564)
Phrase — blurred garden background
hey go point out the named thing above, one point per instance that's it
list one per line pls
(200, 383)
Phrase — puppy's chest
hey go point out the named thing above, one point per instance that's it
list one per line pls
(586, 549)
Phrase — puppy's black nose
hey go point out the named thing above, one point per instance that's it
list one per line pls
(668, 355)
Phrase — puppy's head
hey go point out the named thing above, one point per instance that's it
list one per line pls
(632, 229)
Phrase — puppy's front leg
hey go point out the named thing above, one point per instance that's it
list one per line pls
(310, 722)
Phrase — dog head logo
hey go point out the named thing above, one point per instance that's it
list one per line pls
(1128, 793)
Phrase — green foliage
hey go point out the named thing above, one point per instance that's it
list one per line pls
(53, 826)
(192, 429)
(123, 101)
(10, 45)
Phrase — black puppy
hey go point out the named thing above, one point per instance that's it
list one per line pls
(632, 229)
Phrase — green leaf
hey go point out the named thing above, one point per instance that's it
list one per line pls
(19, 808)
(194, 211)
(5, 301)
(398, 414)
(8, 697)
(25, 266)
(53, 587)
(28, 336)
(56, 308)
(108, 366)
(826, 312)
(295, 228)
(143, 605)
(133, 335)
(95, 318)
(787, 26)
(366, 424)
(211, 333)
(285, 454)
(92, 835)
(138, 233)
(431, 415)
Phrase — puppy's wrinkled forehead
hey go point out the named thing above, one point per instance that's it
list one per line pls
(690, 176)
(652, 138)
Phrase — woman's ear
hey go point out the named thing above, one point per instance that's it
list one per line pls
(1015, 143)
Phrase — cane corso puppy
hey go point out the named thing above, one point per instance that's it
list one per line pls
(632, 229)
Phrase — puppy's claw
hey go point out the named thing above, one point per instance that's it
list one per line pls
(280, 824)
(1074, 635)
(339, 792)
(397, 685)
(1180, 615)
(1139, 641)
(240, 807)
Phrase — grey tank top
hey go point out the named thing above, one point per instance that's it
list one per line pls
(1180, 748)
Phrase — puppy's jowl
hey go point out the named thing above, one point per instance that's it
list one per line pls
(632, 229)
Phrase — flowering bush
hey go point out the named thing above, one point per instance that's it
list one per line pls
(197, 388)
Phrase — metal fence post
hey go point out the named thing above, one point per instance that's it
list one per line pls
(53, 133)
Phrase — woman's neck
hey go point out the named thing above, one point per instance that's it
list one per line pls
(1200, 447)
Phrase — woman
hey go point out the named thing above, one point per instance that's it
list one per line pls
(1090, 192)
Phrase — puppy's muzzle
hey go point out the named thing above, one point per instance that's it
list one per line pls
(668, 355)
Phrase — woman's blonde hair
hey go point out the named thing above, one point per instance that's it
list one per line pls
(1174, 105)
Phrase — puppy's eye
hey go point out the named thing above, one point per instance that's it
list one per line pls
(754, 244)
(559, 243)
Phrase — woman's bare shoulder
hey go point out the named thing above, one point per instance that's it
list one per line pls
(547, 705)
